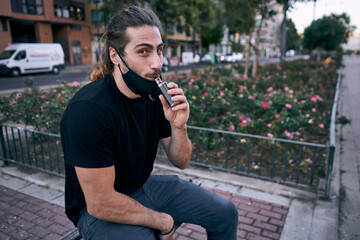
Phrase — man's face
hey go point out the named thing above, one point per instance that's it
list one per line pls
(144, 52)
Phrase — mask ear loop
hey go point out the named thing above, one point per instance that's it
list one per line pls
(121, 60)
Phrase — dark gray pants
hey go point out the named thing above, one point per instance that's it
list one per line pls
(184, 201)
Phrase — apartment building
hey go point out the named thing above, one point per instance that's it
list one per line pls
(48, 21)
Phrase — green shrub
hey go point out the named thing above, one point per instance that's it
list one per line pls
(41, 109)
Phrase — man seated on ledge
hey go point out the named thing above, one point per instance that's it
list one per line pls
(110, 133)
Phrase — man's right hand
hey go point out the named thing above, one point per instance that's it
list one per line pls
(172, 227)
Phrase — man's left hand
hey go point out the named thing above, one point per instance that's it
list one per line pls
(178, 115)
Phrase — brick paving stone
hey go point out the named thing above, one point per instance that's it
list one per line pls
(280, 210)
(52, 236)
(45, 213)
(6, 227)
(270, 214)
(241, 234)
(33, 208)
(254, 236)
(23, 224)
(40, 222)
(198, 235)
(59, 229)
(267, 226)
(2, 213)
(15, 210)
(249, 228)
(27, 217)
(21, 204)
(19, 233)
(277, 222)
(184, 231)
(39, 231)
(257, 219)
(249, 208)
(246, 220)
(261, 205)
(62, 220)
(237, 199)
(4, 236)
(181, 238)
(271, 235)
(10, 218)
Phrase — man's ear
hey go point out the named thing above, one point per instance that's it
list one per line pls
(114, 57)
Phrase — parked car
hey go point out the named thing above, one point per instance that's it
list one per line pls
(196, 58)
(165, 66)
(22, 58)
(237, 56)
(206, 58)
(228, 58)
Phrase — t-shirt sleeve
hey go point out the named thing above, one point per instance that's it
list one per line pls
(87, 136)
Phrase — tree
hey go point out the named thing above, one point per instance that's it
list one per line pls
(201, 17)
(239, 17)
(265, 10)
(196, 15)
(213, 37)
(327, 33)
(168, 13)
(286, 4)
(292, 37)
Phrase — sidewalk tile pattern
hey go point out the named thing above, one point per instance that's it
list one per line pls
(26, 217)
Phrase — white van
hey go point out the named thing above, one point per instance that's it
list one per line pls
(22, 58)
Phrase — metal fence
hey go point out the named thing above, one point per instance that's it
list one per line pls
(32, 148)
(296, 163)
(290, 162)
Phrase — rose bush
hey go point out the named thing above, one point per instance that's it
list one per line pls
(40, 109)
(292, 100)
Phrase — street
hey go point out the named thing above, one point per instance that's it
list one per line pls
(45, 79)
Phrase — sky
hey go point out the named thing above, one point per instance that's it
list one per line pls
(302, 13)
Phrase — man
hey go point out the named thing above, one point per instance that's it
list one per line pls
(110, 133)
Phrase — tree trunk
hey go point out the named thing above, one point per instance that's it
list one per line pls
(283, 36)
(246, 71)
(257, 40)
(318, 54)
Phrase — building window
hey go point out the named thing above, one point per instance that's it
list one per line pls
(61, 11)
(77, 12)
(179, 29)
(73, 10)
(28, 6)
(97, 18)
(4, 25)
(170, 29)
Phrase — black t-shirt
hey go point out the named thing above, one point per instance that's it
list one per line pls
(100, 128)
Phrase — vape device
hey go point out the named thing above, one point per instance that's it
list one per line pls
(164, 88)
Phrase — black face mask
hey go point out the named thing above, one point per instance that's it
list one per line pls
(136, 83)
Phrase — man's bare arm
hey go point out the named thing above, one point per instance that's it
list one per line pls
(105, 203)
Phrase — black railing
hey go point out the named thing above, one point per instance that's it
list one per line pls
(296, 163)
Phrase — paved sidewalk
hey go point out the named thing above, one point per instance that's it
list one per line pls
(29, 209)
(349, 147)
